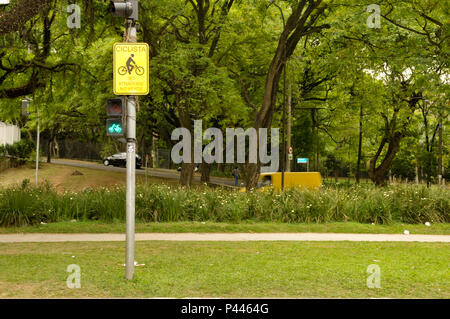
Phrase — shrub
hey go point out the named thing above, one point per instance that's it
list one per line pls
(27, 205)
(20, 151)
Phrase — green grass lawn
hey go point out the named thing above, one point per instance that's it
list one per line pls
(227, 269)
(245, 227)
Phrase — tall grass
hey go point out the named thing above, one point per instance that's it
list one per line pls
(26, 205)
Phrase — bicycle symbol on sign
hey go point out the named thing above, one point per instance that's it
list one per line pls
(130, 65)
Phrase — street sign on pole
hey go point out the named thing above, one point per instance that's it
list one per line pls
(290, 158)
(131, 69)
(303, 160)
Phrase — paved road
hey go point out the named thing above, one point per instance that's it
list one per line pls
(15, 238)
(152, 172)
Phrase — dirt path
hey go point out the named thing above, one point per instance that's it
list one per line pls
(152, 172)
(15, 238)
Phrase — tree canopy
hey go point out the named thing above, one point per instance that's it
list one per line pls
(368, 86)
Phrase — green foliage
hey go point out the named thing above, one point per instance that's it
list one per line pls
(337, 70)
(404, 165)
(107, 150)
(303, 140)
(20, 151)
(25, 205)
(429, 164)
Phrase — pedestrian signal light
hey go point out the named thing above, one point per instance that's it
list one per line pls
(114, 121)
(114, 107)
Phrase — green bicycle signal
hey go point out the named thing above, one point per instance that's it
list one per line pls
(114, 127)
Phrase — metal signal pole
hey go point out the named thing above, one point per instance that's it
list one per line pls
(284, 115)
(289, 141)
(128, 9)
(440, 151)
(37, 145)
(131, 165)
(283, 166)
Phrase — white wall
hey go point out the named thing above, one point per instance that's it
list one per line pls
(9, 133)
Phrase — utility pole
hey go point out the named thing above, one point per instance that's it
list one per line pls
(154, 151)
(284, 120)
(286, 162)
(358, 163)
(37, 144)
(316, 135)
(131, 165)
(25, 105)
(315, 132)
(283, 166)
(440, 151)
(289, 124)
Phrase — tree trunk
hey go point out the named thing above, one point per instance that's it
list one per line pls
(154, 162)
(417, 173)
(49, 150)
(205, 169)
(250, 173)
(187, 174)
(187, 169)
(56, 147)
(378, 174)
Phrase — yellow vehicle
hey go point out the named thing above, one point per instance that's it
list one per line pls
(311, 180)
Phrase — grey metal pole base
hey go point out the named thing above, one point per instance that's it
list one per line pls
(131, 186)
(131, 168)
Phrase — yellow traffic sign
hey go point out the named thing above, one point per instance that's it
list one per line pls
(131, 69)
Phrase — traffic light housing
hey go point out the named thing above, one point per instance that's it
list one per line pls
(115, 107)
(115, 112)
(25, 105)
(125, 9)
